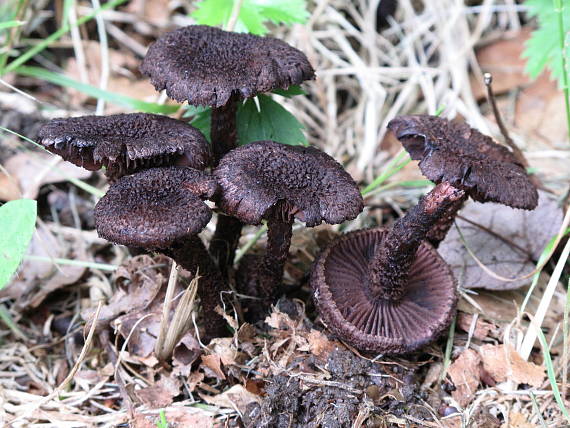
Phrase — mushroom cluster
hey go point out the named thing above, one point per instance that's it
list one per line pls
(389, 291)
(158, 166)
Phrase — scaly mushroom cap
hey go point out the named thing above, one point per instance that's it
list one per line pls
(153, 208)
(125, 143)
(310, 184)
(205, 65)
(425, 310)
(455, 153)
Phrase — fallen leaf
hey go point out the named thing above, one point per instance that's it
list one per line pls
(237, 397)
(212, 365)
(32, 170)
(506, 241)
(185, 353)
(178, 417)
(502, 58)
(503, 362)
(225, 349)
(464, 373)
(139, 279)
(518, 420)
(482, 328)
(161, 394)
(319, 344)
(9, 189)
(539, 111)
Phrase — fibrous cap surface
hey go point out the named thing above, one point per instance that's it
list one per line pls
(153, 208)
(456, 153)
(424, 311)
(309, 183)
(205, 65)
(124, 143)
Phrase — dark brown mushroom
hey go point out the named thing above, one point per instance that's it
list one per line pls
(161, 209)
(387, 291)
(208, 66)
(125, 143)
(272, 181)
(453, 152)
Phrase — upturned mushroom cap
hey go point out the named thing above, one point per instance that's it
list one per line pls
(153, 208)
(205, 65)
(125, 143)
(344, 300)
(310, 184)
(455, 153)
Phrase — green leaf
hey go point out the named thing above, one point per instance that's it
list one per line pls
(202, 120)
(93, 91)
(213, 12)
(290, 92)
(270, 122)
(17, 223)
(253, 14)
(542, 48)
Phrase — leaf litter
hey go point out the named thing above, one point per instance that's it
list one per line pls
(290, 370)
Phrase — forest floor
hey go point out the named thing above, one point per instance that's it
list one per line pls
(490, 370)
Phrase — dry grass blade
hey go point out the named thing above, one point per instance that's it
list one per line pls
(86, 347)
(181, 320)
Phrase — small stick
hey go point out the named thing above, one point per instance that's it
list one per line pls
(488, 79)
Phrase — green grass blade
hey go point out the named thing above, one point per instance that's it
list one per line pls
(561, 36)
(552, 374)
(395, 165)
(93, 91)
(10, 24)
(69, 262)
(30, 53)
(81, 184)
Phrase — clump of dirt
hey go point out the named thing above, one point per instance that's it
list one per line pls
(352, 386)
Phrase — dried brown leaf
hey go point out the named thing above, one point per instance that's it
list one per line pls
(161, 394)
(31, 170)
(9, 189)
(482, 327)
(464, 373)
(503, 362)
(237, 397)
(506, 241)
(212, 366)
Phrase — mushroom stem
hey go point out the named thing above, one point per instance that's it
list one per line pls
(278, 242)
(192, 255)
(225, 242)
(261, 276)
(389, 267)
(439, 230)
(223, 133)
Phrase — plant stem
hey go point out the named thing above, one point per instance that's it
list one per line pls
(561, 35)
(391, 262)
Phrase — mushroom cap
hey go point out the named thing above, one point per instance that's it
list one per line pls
(339, 278)
(125, 143)
(205, 65)
(310, 184)
(458, 154)
(153, 208)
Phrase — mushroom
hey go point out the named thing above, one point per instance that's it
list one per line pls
(453, 152)
(161, 209)
(208, 66)
(125, 143)
(388, 291)
(272, 181)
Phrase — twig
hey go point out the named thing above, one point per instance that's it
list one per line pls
(158, 347)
